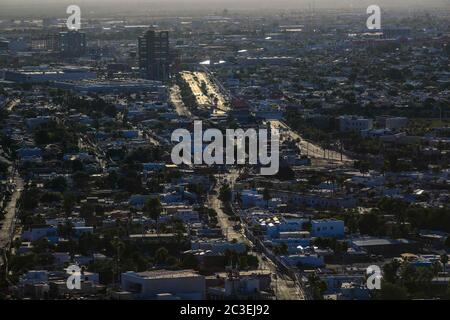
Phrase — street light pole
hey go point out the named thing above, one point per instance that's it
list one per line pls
(276, 286)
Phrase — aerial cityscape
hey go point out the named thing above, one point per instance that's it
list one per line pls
(225, 150)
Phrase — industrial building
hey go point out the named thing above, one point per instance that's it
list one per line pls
(164, 284)
(48, 74)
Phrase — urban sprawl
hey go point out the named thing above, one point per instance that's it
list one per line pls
(89, 191)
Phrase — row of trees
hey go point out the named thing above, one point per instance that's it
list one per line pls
(404, 281)
(397, 218)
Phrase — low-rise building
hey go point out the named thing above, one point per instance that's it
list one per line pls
(354, 124)
(180, 284)
(327, 228)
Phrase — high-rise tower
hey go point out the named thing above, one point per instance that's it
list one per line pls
(154, 58)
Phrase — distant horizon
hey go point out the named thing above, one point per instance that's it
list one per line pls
(30, 8)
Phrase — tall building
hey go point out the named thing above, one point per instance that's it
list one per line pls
(72, 43)
(396, 33)
(154, 57)
(48, 42)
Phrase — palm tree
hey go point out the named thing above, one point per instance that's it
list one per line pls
(444, 260)
(118, 245)
(66, 230)
(152, 209)
(131, 214)
(161, 255)
(266, 196)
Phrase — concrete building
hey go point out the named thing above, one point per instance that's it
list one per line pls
(47, 74)
(72, 43)
(386, 247)
(154, 57)
(33, 123)
(39, 232)
(308, 260)
(218, 246)
(35, 276)
(180, 284)
(111, 86)
(392, 123)
(239, 285)
(355, 124)
(327, 228)
(251, 198)
(396, 33)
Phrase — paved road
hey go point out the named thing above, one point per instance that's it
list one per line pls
(10, 107)
(212, 99)
(6, 231)
(175, 99)
(213, 91)
(213, 202)
(284, 287)
(309, 148)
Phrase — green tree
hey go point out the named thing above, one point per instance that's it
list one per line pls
(416, 280)
(118, 246)
(390, 271)
(161, 256)
(66, 230)
(283, 248)
(371, 224)
(69, 201)
(362, 166)
(243, 262)
(153, 209)
(50, 197)
(391, 291)
(57, 184)
(444, 260)
(317, 286)
(266, 196)
(81, 180)
(87, 211)
(225, 193)
(30, 199)
(189, 262)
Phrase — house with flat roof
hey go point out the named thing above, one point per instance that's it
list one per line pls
(327, 228)
(179, 284)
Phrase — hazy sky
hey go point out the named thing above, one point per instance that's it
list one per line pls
(51, 7)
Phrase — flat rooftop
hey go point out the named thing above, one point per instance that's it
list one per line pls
(380, 242)
(164, 274)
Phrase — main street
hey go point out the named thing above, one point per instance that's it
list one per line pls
(7, 228)
(12, 104)
(206, 92)
(284, 287)
(320, 155)
(177, 102)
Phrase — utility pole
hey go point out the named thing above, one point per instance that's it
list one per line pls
(276, 285)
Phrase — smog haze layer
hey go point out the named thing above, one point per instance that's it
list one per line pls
(40, 8)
